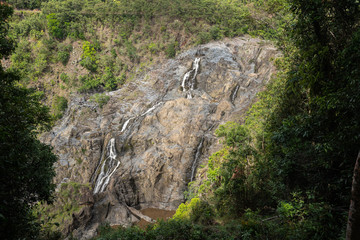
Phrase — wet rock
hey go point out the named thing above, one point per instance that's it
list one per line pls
(157, 129)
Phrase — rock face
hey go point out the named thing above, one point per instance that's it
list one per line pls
(144, 146)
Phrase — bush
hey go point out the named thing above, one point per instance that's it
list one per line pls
(204, 37)
(215, 33)
(131, 51)
(89, 58)
(63, 57)
(153, 48)
(56, 28)
(89, 83)
(59, 106)
(109, 80)
(22, 59)
(197, 211)
(171, 49)
(65, 78)
(100, 99)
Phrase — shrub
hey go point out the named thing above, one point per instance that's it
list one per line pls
(121, 80)
(100, 99)
(59, 106)
(131, 51)
(204, 37)
(197, 211)
(89, 83)
(153, 48)
(56, 28)
(170, 50)
(65, 78)
(215, 33)
(63, 57)
(109, 80)
(22, 59)
(89, 59)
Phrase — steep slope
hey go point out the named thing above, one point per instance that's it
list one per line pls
(143, 147)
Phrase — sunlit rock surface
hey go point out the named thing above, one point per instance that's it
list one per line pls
(141, 150)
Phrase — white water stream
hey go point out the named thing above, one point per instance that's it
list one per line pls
(143, 114)
(185, 80)
(151, 109)
(108, 167)
(188, 84)
(197, 156)
(125, 124)
(196, 69)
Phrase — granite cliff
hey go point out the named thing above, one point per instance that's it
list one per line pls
(142, 148)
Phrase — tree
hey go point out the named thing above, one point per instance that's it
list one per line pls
(316, 128)
(26, 164)
(353, 230)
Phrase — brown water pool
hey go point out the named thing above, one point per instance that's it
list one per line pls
(155, 214)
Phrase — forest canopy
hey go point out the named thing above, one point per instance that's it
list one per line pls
(283, 173)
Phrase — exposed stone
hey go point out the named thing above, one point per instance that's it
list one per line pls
(157, 131)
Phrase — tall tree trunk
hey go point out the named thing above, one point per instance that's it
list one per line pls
(353, 226)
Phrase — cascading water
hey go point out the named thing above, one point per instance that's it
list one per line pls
(196, 68)
(151, 109)
(108, 167)
(197, 156)
(143, 114)
(125, 124)
(185, 80)
(233, 95)
(189, 79)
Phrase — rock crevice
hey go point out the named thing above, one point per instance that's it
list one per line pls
(149, 139)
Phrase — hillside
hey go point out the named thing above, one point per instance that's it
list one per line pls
(243, 116)
(94, 46)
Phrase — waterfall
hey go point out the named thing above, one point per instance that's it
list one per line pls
(233, 95)
(125, 124)
(196, 69)
(185, 80)
(197, 156)
(188, 84)
(151, 109)
(108, 167)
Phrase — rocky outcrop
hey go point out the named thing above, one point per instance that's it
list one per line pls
(144, 146)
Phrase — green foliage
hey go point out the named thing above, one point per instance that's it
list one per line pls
(131, 51)
(197, 211)
(174, 229)
(33, 26)
(153, 48)
(100, 99)
(316, 126)
(171, 49)
(89, 83)
(215, 33)
(59, 106)
(26, 164)
(22, 59)
(204, 37)
(61, 22)
(55, 217)
(65, 78)
(56, 28)
(300, 136)
(88, 58)
(63, 53)
(26, 4)
(109, 80)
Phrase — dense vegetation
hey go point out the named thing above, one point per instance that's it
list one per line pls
(26, 164)
(93, 46)
(283, 173)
